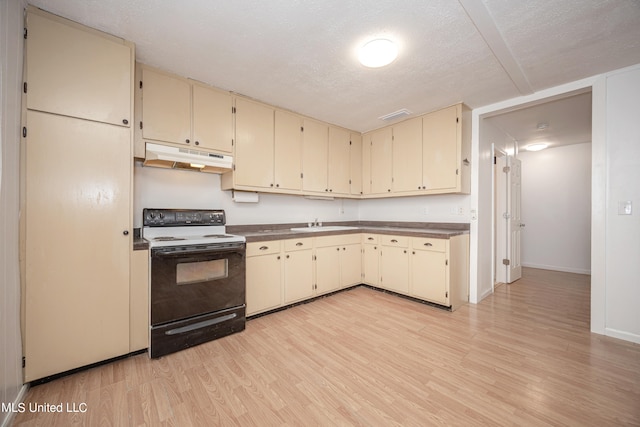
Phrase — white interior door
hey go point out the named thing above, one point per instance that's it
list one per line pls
(514, 219)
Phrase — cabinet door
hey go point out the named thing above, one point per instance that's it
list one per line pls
(394, 269)
(254, 144)
(315, 142)
(440, 145)
(166, 107)
(298, 275)
(77, 72)
(288, 151)
(212, 119)
(264, 290)
(327, 269)
(370, 264)
(407, 155)
(350, 265)
(339, 161)
(77, 208)
(381, 164)
(356, 159)
(429, 276)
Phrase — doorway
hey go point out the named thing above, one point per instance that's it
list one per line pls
(563, 123)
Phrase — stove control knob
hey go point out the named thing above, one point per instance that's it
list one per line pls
(161, 215)
(152, 215)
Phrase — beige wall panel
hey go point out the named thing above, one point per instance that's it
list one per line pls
(77, 257)
(77, 73)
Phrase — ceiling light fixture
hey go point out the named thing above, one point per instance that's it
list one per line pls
(378, 53)
(537, 146)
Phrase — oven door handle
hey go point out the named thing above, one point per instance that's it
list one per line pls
(195, 251)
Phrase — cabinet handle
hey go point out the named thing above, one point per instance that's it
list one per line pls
(337, 249)
(264, 248)
(187, 141)
(299, 244)
(125, 121)
(344, 249)
(278, 257)
(370, 238)
(277, 185)
(287, 256)
(125, 232)
(428, 244)
(375, 248)
(413, 252)
(272, 184)
(389, 190)
(197, 143)
(405, 251)
(394, 241)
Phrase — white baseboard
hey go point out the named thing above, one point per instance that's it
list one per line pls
(557, 268)
(627, 336)
(19, 399)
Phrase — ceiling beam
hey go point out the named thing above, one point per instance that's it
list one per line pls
(483, 21)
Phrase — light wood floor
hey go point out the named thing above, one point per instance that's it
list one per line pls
(523, 356)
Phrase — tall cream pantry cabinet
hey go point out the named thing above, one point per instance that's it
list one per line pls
(76, 195)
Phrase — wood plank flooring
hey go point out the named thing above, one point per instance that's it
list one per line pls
(523, 356)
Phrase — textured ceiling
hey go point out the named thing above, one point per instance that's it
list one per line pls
(300, 55)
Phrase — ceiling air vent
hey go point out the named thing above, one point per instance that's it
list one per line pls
(395, 115)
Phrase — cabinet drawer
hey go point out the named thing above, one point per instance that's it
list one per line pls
(400, 241)
(370, 238)
(298, 244)
(429, 244)
(263, 248)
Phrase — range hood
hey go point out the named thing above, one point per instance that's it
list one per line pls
(164, 156)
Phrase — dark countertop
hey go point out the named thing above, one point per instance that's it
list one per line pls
(265, 232)
(139, 244)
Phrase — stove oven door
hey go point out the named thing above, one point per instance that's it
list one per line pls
(189, 281)
(197, 295)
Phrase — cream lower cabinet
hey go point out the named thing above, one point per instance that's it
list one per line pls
(371, 259)
(338, 262)
(264, 276)
(298, 269)
(139, 301)
(394, 263)
(440, 270)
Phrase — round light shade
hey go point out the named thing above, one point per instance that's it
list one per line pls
(378, 53)
(537, 147)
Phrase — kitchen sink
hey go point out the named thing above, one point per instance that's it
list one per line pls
(323, 228)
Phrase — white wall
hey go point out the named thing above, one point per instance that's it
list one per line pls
(556, 208)
(165, 188)
(10, 82)
(433, 208)
(619, 310)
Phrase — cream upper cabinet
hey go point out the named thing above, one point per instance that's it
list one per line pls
(288, 151)
(254, 155)
(180, 111)
(212, 118)
(356, 158)
(339, 173)
(76, 71)
(315, 151)
(447, 150)
(381, 161)
(166, 107)
(407, 155)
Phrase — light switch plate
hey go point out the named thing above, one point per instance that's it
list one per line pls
(625, 207)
